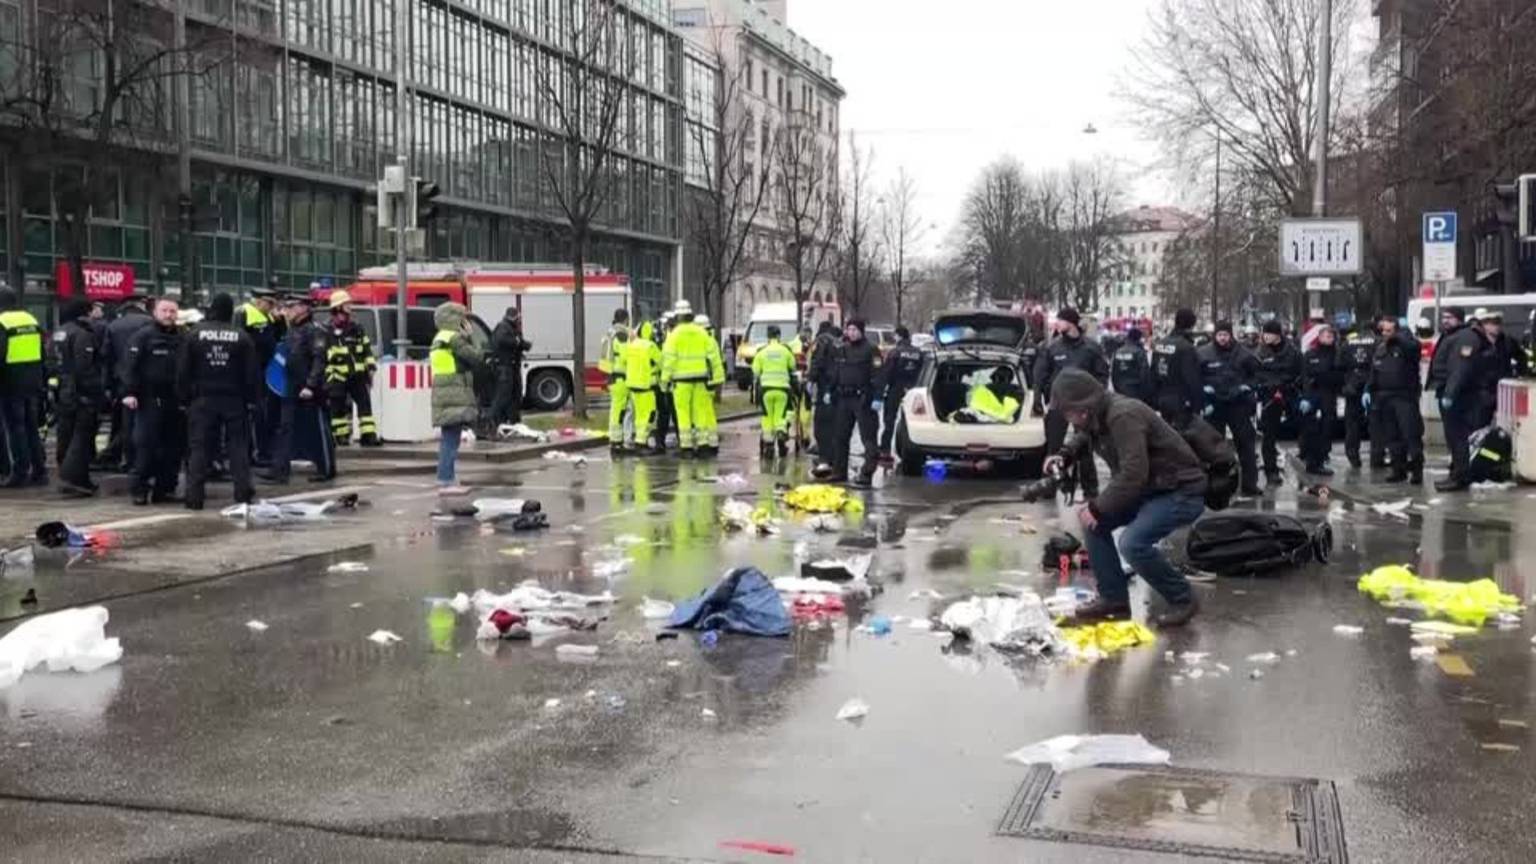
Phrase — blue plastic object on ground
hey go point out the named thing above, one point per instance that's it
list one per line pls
(744, 601)
(880, 625)
(935, 470)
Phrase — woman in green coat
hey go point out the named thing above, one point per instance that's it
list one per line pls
(454, 360)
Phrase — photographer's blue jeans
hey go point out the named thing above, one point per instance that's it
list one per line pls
(448, 453)
(1156, 518)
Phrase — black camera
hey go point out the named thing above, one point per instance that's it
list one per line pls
(1060, 478)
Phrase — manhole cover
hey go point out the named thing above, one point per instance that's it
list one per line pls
(1240, 817)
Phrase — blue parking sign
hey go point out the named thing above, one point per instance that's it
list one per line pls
(1440, 227)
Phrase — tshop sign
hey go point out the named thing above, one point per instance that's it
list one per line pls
(102, 281)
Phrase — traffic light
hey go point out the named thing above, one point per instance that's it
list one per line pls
(422, 195)
(1506, 207)
(1528, 207)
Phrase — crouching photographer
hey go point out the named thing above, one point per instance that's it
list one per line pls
(1157, 486)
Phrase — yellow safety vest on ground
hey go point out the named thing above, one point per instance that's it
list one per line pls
(983, 401)
(774, 366)
(23, 338)
(443, 361)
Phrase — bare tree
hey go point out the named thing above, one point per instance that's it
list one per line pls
(1093, 197)
(807, 208)
(860, 250)
(901, 229)
(583, 92)
(992, 230)
(1245, 70)
(736, 168)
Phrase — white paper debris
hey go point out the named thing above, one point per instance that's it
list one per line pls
(853, 709)
(563, 456)
(1264, 657)
(1006, 623)
(460, 603)
(70, 639)
(383, 637)
(1397, 508)
(257, 626)
(1400, 622)
(347, 567)
(551, 704)
(925, 594)
(706, 714)
(1067, 752)
(521, 431)
(1348, 629)
(530, 596)
(575, 650)
(652, 610)
(1490, 486)
(1423, 652)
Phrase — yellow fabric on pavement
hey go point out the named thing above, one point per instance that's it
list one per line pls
(1469, 603)
(821, 498)
(1107, 637)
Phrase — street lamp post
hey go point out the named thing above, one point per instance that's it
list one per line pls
(1216, 233)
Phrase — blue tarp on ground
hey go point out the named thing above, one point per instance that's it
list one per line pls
(744, 601)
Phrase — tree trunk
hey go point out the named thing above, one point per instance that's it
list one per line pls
(579, 325)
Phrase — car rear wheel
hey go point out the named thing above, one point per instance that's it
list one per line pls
(909, 459)
(549, 389)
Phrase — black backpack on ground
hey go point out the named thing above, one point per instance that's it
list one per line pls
(1249, 541)
(1218, 457)
(1491, 458)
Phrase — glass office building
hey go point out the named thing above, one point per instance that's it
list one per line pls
(292, 117)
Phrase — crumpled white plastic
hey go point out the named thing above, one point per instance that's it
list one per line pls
(70, 639)
(853, 709)
(488, 509)
(1068, 752)
(460, 603)
(1397, 508)
(1006, 623)
(268, 513)
(530, 596)
(384, 637)
(522, 431)
(564, 456)
(347, 567)
(652, 610)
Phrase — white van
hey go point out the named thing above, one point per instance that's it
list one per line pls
(1517, 309)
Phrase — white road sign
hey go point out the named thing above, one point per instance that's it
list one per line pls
(1320, 247)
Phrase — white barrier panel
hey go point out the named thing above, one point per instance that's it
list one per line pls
(1515, 415)
(402, 400)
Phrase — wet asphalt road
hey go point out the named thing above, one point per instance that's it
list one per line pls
(211, 742)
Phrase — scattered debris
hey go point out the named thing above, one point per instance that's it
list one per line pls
(743, 601)
(853, 709)
(628, 540)
(1067, 752)
(1255, 674)
(741, 516)
(925, 594)
(565, 456)
(652, 610)
(732, 480)
(1107, 637)
(551, 704)
(1264, 657)
(1005, 623)
(1454, 665)
(257, 626)
(706, 714)
(1513, 724)
(521, 432)
(920, 624)
(1498, 747)
(838, 569)
(1348, 629)
(820, 498)
(70, 639)
(347, 567)
(1400, 622)
(1492, 486)
(1423, 652)
(1469, 603)
(568, 650)
(878, 625)
(825, 523)
(460, 603)
(384, 637)
(1397, 508)
(1441, 628)
(268, 513)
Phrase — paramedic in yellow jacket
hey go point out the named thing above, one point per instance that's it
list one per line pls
(611, 362)
(773, 372)
(692, 368)
(642, 366)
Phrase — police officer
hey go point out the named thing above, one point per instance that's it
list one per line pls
(1069, 350)
(610, 361)
(849, 370)
(773, 374)
(1227, 371)
(302, 424)
(218, 377)
(1323, 374)
(259, 320)
(1129, 370)
(1276, 382)
(1360, 358)
(822, 414)
(1176, 387)
(22, 380)
(1458, 372)
(82, 396)
(900, 372)
(349, 368)
(1505, 358)
(1391, 395)
(131, 318)
(149, 391)
(507, 349)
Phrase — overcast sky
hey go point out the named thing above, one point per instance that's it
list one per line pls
(945, 87)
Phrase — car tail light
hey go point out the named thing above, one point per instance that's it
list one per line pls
(919, 406)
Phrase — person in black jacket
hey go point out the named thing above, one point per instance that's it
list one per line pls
(1392, 396)
(302, 420)
(901, 369)
(131, 318)
(1359, 358)
(1506, 359)
(848, 372)
(1069, 350)
(822, 412)
(259, 319)
(1323, 374)
(149, 391)
(1129, 370)
(1227, 372)
(507, 349)
(82, 396)
(1176, 387)
(1276, 383)
(1461, 361)
(218, 376)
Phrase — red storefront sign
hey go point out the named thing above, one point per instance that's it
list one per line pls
(102, 281)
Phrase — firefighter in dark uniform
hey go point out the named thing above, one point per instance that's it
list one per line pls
(1176, 383)
(901, 369)
(1458, 372)
(349, 368)
(149, 391)
(1324, 370)
(259, 320)
(1276, 382)
(848, 370)
(131, 318)
(1360, 358)
(1227, 371)
(302, 422)
(1129, 370)
(218, 376)
(822, 412)
(1069, 350)
(82, 396)
(1392, 396)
